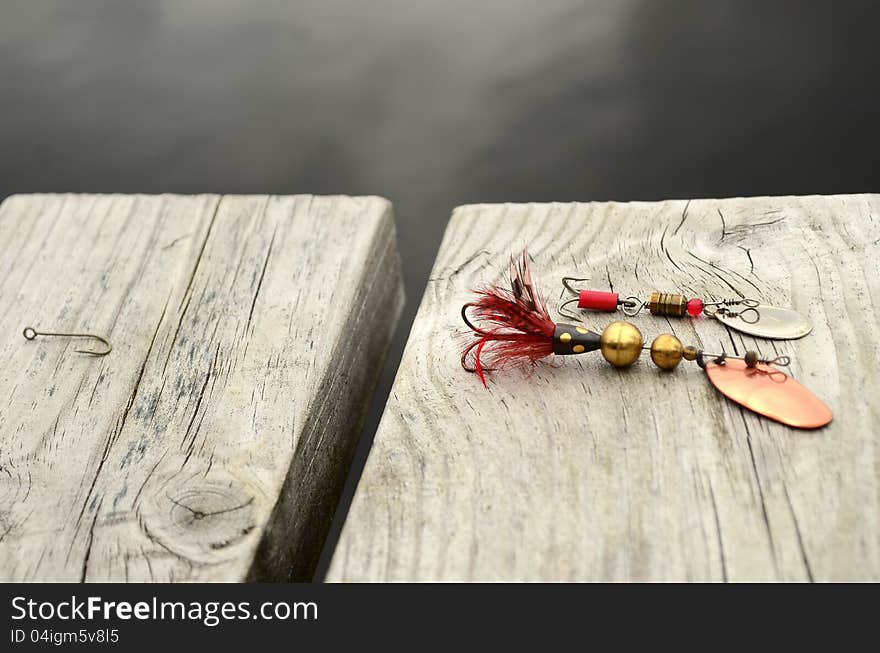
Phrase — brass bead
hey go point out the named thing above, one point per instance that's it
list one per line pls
(662, 303)
(621, 344)
(690, 353)
(666, 351)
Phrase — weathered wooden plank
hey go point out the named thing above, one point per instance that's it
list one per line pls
(213, 442)
(585, 472)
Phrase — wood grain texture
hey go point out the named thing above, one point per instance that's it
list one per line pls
(585, 472)
(212, 443)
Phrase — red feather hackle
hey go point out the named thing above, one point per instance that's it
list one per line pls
(515, 327)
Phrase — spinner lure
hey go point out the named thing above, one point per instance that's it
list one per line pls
(515, 327)
(746, 315)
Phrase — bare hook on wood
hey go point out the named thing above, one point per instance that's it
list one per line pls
(30, 333)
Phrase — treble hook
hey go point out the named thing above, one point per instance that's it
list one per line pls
(566, 282)
(30, 333)
(464, 355)
(470, 348)
(564, 311)
(470, 324)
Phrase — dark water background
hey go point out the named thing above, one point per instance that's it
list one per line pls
(434, 104)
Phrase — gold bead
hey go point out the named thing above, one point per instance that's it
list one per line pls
(690, 353)
(666, 351)
(621, 343)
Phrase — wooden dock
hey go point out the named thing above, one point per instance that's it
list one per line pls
(212, 443)
(583, 472)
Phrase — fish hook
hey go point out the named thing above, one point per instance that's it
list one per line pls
(30, 333)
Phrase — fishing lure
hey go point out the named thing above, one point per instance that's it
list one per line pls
(516, 328)
(745, 315)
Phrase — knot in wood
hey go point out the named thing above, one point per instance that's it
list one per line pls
(203, 522)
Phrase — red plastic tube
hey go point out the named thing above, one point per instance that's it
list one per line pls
(598, 300)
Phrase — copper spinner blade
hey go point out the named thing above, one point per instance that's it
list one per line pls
(769, 392)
